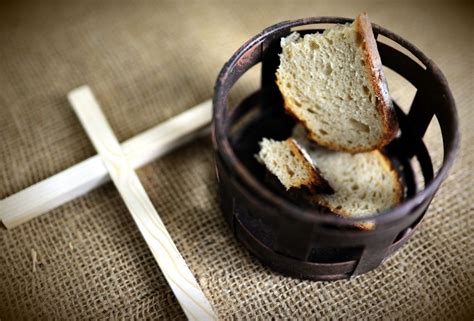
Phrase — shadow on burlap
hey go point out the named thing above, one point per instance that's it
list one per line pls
(147, 62)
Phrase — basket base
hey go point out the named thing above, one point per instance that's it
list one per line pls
(254, 240)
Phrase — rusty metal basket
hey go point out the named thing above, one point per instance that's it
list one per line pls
(302, 241)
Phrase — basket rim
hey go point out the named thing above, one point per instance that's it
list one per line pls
(233, 164)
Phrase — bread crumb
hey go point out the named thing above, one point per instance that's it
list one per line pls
(70, 246)
(34, 255)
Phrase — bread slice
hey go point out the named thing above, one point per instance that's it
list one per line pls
(334, 84)
(292, 165)
(364, 184)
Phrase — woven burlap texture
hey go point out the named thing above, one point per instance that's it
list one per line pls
(147, 62)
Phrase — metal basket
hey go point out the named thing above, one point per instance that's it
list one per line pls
(306, 242)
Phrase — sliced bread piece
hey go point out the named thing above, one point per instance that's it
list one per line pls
(292, 165)
(334, 84)
(364, 184)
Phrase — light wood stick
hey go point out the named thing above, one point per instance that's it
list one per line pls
(172, 264)
(91, 173)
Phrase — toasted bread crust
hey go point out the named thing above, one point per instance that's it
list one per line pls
(316, 183)
(373, 63)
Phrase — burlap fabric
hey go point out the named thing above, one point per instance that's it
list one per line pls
(147, 62)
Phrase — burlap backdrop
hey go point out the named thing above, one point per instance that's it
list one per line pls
(147, 62)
